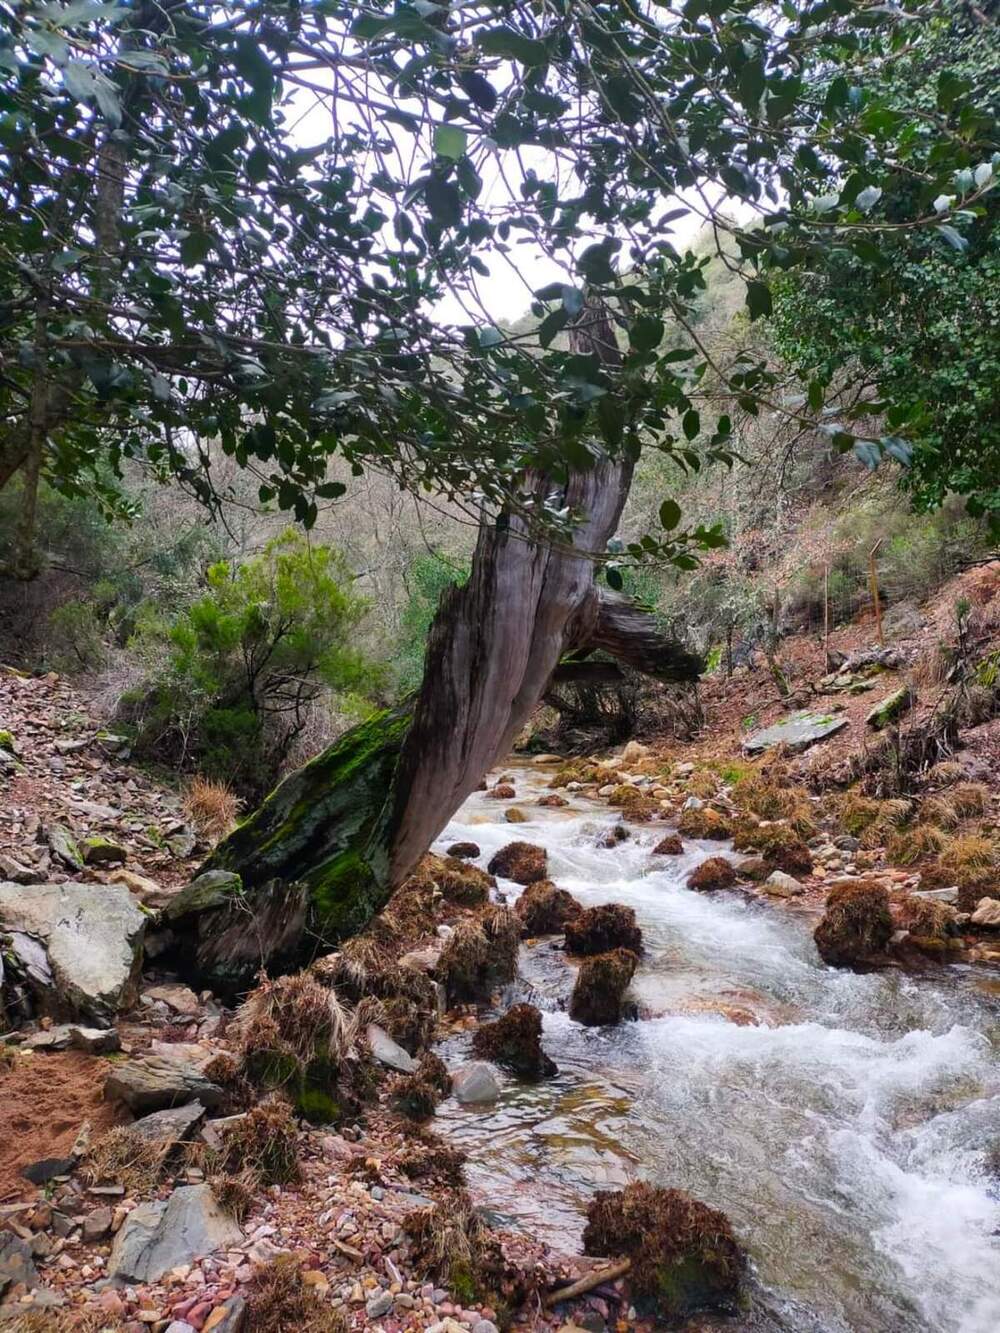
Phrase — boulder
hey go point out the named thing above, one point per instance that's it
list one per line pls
(91, 936)
(600, 929)
(64, 1036)
(475, 1083)
(165, 1234)
(857, 925)
(797, 731)
(98, 851)
(174, 1125)
(388, 1052)
(601, 983)
(714, 873)
(12, 869)
(543, 909)
(212, 888)
(178, 998)
(891, 707)
(522, 862)
(515, 815)
(17, 1266)
(780, 885)
(987, 914)
(152, 1083)
(514, 1041)
(464, 851)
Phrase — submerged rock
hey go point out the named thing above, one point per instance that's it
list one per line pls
(475, 1083)
(544, 910)
(857, 924)
(601, 983)
(598, 929)
(514, 1041)
(522, 862)
(685, 1257)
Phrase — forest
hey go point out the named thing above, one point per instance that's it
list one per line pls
(499, 666)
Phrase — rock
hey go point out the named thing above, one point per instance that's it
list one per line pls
(97, 1225)
(484, 1326)
(181, 999)
(92, 937)
(378, 1305)
(422, 960)
(857, 924)
(987, 913)
(212, 888)
(753, 867)
(388, 1052)
(601, 983)
(63, 847)
(179, 1326)
(845, 843)
(40, 1172)
(15, 872)
(797, 731)
(182, 844)
(174, 1125)
(97, 851)
(464, 851)
(540, 759)
(552, 802)
(503, 791)
(891, 707)
(95, 1041)
(515, 815)
(947, 896)
(544, 910)
(149, 893)
(522, 862)
(671, 845)
(164, 1234)
(475, 1083)
(600, 929)
(885, 659)
(227, 1318)
(514, 1041)
(780, 885)
(17, 1267)
(153, 1084)
(714, 873)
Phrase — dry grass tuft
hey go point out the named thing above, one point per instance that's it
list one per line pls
(212, 807)
(703, 784)
(63, 1321)
(704, 823)
(261, 1145)
(938, 810)
(236, 1193)
(760, 794)
(911, 845)
(429, 1158)
(946, 772)
(857, 923)
(970, 799)
(869, 820)
(779, 845)
(972, 862)
(451, 1244)
(278, 1301)
(123, 1157)
(417, 1095)
(306, 1017)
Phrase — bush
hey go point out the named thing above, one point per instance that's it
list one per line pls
(75, 641)
(427, 579)
(233, 676)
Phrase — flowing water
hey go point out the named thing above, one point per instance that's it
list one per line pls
(846, 1131)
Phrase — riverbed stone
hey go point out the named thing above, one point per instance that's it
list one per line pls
(165, 1233)
(797, 731)
(987, 913)
(780, 885)
(388, 1052)
(474, 1083)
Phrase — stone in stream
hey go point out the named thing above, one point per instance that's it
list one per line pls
(91, 936)
(599, 929)
(598, 993)
(671, 845)
(780, 885)
(514, 1042)
(857, 925)
(164, 1234)
(714, 873)
(544, 910)
(522, 862)
(797, 731)
(475, 1083)
(388, 1052)
(464, 851)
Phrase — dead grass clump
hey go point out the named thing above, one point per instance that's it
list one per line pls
(417, 1095)
(779, 845)
(685, 1256)
(598, 994)
(972, 862)
(451, 1244)
(514, 1041)
(124, 1157)
(946, 772)
(264, 1142)
(235, 1193)
(970, 799)
(522, 862)
(939, 811)
(759, 794)
(212, 807)
(911, 845)
(869, 820)
(428, 1158)
(671, 845)
(280, 1302)
(308, 1017)
(715, 873)
(704, 823)
(932, 925)
(544, 910)
(599, 929)
(503, 933)
(634, 803)
(406, 998)
(857, 924)
(462, 883)
(578, 771)
(704, 784)
(464, 962)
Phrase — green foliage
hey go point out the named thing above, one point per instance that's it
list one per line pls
(75, 639)
(236, 671)
(427, 579)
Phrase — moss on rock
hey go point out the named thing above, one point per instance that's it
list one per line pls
(522, 862)
(514, 1042)
(544, 910)
(715, 873)
(703, 822)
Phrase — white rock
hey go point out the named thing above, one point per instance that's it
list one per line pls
(475, 1082)
(389, 1052)
(780, 885)
(987, 913)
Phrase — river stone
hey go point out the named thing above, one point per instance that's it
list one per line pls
(165, 1234)
(389, 1052)
(92, 936)
(780, 885)
(378, 1305)
(475, 1082)
(987, 913)
(797, 731)
(154, 1084)
(948, 896)
(173, 1125)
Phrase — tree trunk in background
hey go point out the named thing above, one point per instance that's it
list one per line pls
(325, 850)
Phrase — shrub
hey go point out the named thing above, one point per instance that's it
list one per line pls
(869, 820)
(911, 845)
(75, 640)
(211, 806)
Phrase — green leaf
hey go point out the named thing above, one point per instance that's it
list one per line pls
(79, 80)
(758, 299)
(450, 141)
(670, 514)
(512, 45)
(554, 322)
(691, 424)
(443, 201)
(646, 333)
(614, 578)
(816, 395)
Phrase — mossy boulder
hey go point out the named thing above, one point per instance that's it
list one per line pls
(98, 851)
(633, 802)
(686, 1259)
(890, 708)
(671, 845)
(933, 926)
(598, 998)
(522, 862)
(544, 910)
(857, 924)
(715, 873)
(703, 822)
(514, 1042)
(598, 929)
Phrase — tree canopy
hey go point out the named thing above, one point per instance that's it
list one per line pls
(233, 227)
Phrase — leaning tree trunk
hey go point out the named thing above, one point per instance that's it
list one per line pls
(327, 847)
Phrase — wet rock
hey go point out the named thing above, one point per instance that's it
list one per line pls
(174, 1125)
(598, 993)
(475, 1083)
(797, 731)
(164, 1234)
(515, 815)
(715, 873)
(92, 937)
(388, 1052)
(553, 801)
(514, 1042)
(522, 862)
(685, 1257)
(987, 914)
(753, 867)
(503, 791)
(63, 846)
(599, 929)
(544, 910)
(949, 896)
(464, 851)
(780, 885)
(671, 845)
(891, 707)
(857, 924)
(98, 851)
(153, 1083)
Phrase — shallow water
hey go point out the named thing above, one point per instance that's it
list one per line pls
(845, 1131)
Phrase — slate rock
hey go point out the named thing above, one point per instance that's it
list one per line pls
(41, 1172)
(14, 871)
(63, 846)
(165, 1233)
(213, 888)
(98, 851)
(475, 1083)
(378, 1305)
(797, 731)
(92, 937)
(173, 1125)
(388, 1052)
(16, 1263)
(227, 1318)
(154, 1084)
(63, 1037)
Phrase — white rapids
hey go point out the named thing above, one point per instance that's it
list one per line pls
(843, 1122)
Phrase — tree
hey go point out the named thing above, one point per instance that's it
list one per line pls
(186, 274)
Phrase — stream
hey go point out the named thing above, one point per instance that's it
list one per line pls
(841, 1121)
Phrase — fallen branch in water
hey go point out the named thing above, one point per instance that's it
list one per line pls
(588, 1283)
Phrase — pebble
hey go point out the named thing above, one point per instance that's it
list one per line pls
(379, 1304)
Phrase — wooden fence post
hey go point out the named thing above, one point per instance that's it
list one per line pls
(874, 582)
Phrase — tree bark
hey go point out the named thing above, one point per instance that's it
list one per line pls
(353, 823)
